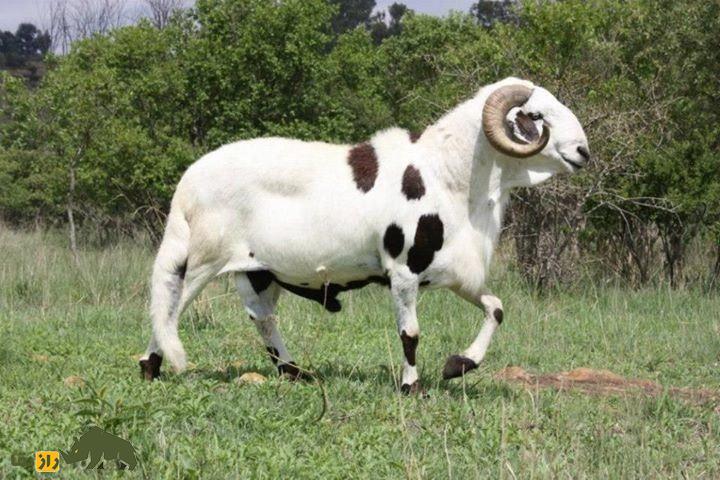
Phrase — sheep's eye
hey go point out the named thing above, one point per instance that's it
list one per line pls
(535, 116)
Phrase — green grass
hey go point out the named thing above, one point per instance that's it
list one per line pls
(91, 322)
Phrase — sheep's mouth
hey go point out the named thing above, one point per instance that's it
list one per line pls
(574, 165)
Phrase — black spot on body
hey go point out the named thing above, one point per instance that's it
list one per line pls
(150, 368)
(252, 254)
(425, 283)
(429, 233)
(457, 366)
(260, 280)
(355, 284)
(409, 347)
(412, 183)
(394, 240)
(428, 240)
(419, 260)
(498, 314)
(326, 299)
(414, 136)
(364, 163)
(327, 295)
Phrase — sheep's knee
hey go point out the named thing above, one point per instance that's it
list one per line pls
(493, 307)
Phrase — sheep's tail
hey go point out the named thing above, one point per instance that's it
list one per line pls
(167, 284)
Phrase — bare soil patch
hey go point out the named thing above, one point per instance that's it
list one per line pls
(602, 382)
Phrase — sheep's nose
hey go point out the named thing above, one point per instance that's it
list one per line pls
(583, 151)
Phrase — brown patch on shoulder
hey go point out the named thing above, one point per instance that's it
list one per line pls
(364, 163)
(412, 183)
(602, 382)
(150, 368)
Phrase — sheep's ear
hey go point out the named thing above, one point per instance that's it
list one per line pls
(526, 127)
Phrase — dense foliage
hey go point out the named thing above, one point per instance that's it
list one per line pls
(116, 121)
(26, 44)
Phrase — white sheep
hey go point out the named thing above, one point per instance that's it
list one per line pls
(316, 218)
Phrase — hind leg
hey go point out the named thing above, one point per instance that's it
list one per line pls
(165, 341)
(260, 295)
(168, 277)
(167, 287)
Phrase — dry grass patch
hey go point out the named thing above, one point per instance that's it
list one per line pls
(602, 382)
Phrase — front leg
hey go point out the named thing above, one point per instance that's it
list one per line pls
(404, 290)
(458, 365)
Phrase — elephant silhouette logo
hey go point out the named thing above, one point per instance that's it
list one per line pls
(99, 446)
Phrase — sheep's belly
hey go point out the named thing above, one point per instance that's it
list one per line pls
(324, 275)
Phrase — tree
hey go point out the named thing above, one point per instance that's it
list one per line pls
(381, 28)
(71, 20)
(490, 11)
(350, 14)
(32, 42)
(96, 16)
(28, 43)
(162, 10)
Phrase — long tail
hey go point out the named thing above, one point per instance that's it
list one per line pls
(167, 284)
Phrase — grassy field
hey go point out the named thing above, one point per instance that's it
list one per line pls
(59, 322)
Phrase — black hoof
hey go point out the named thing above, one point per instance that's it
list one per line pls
(413, 389)
(292, 372)
(150, 368)
(332, 305)
(457, 366)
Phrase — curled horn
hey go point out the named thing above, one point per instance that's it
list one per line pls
(496, 109)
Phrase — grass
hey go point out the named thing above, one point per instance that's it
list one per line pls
(58, 321)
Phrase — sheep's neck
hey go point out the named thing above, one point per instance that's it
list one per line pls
(472, 172)
(470, 169)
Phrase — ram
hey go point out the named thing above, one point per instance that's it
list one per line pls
(403, 210)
